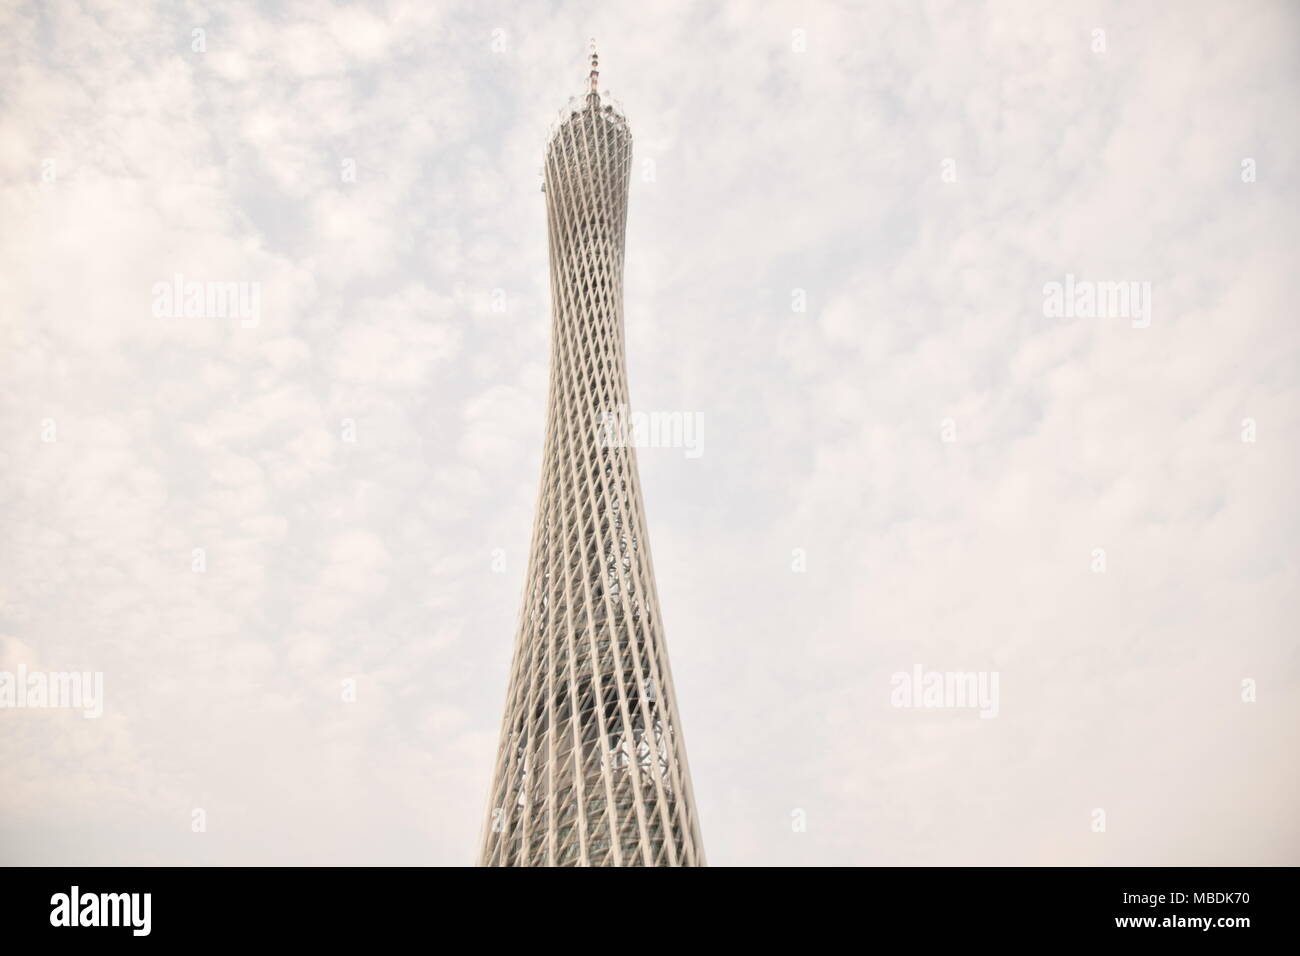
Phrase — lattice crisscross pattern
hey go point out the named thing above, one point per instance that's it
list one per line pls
(591, 769)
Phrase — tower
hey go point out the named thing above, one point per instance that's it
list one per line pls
(591, 768)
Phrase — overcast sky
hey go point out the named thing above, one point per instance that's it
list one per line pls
(919, 468)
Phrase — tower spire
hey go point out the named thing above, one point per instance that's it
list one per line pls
(592, 96)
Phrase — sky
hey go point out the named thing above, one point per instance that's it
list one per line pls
(292, 539)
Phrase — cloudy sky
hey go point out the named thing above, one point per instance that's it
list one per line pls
(842, 221)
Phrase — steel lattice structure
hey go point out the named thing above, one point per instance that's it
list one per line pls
(591, 768)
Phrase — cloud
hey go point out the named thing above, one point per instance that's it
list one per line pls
(357, 467)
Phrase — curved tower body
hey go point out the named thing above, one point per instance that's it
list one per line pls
(591, 768)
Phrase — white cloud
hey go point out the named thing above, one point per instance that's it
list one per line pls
(364, 552)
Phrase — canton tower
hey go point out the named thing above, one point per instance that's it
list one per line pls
(591, 768)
